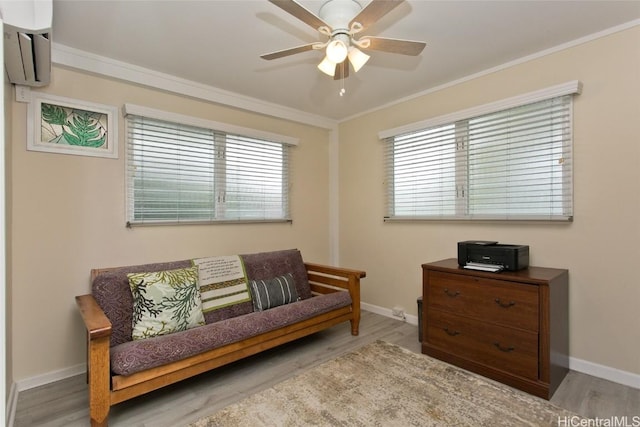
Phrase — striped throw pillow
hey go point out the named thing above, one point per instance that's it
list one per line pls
(274, 292)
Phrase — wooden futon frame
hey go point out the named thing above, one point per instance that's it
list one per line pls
(106, 390)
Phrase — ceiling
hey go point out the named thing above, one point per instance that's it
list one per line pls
(219, 43)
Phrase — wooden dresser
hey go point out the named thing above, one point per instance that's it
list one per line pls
(510, 326)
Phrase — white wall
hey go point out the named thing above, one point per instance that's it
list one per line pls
(599, 248)
(69, 216)
(4, 333)
(67, 212)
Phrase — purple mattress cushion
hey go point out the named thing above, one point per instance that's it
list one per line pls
(134, 356)
(268, 265)
(113, 294)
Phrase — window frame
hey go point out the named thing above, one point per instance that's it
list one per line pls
(217, 129)
(462, 118)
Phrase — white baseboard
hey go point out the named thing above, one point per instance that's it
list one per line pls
(387, 312)
(605, 372)
(12, 402)
(50, 377)
(37, 381)
(601, 371)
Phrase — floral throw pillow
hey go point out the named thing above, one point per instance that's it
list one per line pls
(165, 302)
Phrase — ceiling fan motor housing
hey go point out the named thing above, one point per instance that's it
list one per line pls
(338, 14)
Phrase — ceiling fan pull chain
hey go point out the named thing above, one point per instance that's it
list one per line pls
(342, 91)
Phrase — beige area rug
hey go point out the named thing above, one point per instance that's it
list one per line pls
(382, 384)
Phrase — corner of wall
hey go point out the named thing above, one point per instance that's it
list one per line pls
(6, 362)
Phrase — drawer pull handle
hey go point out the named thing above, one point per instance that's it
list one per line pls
(501, 348)
(452, 333)
(505, 305)
(451, 294)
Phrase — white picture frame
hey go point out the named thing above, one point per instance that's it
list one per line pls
(68, 126)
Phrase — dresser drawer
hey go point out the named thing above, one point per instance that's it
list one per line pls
(495, 301)
(511, 350)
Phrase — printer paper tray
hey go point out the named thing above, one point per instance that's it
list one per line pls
(483, 267)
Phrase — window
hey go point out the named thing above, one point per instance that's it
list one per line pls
(178, 172)
(507, 163)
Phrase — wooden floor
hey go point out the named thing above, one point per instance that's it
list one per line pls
(64, 403)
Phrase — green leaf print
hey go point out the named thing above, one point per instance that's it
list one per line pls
(174, 278)
(53, 114)
(151, 332)
(182, 303)
(84, 130)
(144, 303)
(165, 302)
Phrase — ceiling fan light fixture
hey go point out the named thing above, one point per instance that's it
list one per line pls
(357, 58)
(327, 67)
(340, 21)
(336, 51)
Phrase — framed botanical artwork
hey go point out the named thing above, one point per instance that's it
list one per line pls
(68, 126)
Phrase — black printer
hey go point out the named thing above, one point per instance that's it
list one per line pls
(491, 256)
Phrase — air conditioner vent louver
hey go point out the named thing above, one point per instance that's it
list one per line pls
(27, 40)
(27, 56)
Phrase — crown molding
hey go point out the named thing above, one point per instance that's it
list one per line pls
(81, 60)
(506, 65)
(77, 59)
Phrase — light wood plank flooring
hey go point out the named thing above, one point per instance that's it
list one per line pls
(64, 403)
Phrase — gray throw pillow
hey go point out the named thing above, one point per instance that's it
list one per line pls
(274, 292)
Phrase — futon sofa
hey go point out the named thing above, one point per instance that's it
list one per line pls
(120, 368)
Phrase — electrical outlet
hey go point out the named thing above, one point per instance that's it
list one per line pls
(398, 312)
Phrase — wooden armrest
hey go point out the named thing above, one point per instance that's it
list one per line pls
(98, 374)
(336, 271)
(321, 276)
(96, 322)
(326, 279)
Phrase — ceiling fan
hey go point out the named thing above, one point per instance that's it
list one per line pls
(341, 21)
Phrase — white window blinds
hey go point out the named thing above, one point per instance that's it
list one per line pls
(179, 173)
(514, 163)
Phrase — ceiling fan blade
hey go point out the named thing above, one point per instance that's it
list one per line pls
(403, 47)
(287, 52)
(296, 9)
(375, 10)
(342, 70)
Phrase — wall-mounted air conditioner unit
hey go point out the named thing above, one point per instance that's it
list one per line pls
(27, 41)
